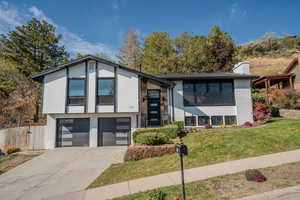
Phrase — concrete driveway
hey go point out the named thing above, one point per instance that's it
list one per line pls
(57, 172)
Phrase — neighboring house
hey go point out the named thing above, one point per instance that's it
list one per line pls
(95, 102)
(294, 69)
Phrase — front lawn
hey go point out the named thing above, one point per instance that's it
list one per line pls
(231, 186)
(210, 147)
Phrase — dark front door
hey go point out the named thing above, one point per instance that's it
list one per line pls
(114, 131)
(153, 107)
(72, 132)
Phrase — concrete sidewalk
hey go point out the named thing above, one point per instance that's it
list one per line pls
(174, 178)
(290, 193)
(194, 174)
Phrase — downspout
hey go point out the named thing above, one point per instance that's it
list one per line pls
(172, 97)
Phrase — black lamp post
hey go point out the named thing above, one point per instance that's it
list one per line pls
(182, 150)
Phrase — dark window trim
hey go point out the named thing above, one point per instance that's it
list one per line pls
(85, 92)
(207, 81)
(96, 86)
(194, 119)
(86, 87)
(114, 93)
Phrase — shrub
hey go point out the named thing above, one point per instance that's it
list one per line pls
(141, 152)
(193, 129)
(261, 112)
(207, 126)
(223, 126)
(152, 139)
(11, 149)
(234, 125)
(257, 97)
(157, 195)
(255, 175)
(171, 131)
(248, 124)
(290, 99)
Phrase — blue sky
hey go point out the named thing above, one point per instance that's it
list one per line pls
(92, 26)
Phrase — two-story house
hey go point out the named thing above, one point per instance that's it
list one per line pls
(95, 102)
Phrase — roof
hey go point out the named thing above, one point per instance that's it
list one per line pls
(40, 76)
(260, 82)
(214, 75)
(291, 65)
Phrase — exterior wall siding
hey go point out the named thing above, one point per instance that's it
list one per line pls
(54, 97)
(127, 91)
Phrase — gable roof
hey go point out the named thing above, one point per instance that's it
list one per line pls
(40, 76)
(213, 75)
(291, 65)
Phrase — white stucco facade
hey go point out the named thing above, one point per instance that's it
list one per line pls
(128, 98)
(242, 108)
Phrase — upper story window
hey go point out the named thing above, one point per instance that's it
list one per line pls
(76, 91)
(208, 93)
(105, 91)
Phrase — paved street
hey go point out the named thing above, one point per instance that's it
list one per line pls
(57, 172)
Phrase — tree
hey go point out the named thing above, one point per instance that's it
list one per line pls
(33, 48)
(99, 55)
(131, 50)
(158, 56)
(220, 51)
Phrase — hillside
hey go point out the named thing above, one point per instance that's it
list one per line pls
(265, 65)
(270, 54)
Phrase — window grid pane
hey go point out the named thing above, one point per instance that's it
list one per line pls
(216, 120)
(105, 92)
(203, 120)
(190, 121)
(229, 120)
(76, 88)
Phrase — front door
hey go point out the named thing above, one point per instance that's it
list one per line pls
(114, 131)
(153, 107)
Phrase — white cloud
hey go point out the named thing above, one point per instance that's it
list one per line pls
(115, 4)
(235, 11)
(12, 16)
(9, 17)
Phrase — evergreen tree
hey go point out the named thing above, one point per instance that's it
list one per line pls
(220, 51)
(158, 54)
(33, 47)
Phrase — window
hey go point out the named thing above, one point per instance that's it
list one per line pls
(203, 120)
(229, 120)
(105, 91)
(208, 93)
(76, 91)
(216, 120)
(190, 121)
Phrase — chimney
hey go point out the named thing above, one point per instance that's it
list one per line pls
(242, 68)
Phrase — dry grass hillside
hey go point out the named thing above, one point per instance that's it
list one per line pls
(266, 65)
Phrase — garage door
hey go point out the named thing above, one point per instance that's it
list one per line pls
(114, 131)
(72, 132)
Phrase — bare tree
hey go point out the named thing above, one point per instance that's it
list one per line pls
(131, 50)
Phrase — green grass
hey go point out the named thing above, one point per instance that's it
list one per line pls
(6, 158)
(212, 146)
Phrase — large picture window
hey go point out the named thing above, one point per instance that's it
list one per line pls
(105, 91)
(208, 93)
(76, 91)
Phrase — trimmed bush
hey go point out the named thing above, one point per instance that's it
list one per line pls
(171, 131)
(152, 139)
(141, 152)
(208, 126)
(255, 175)
(11, 149)
(257, 97)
